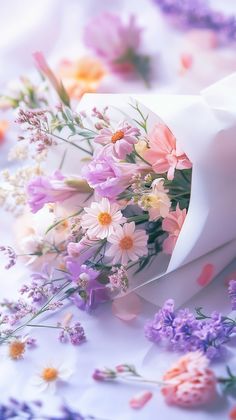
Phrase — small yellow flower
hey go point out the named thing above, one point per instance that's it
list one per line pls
(16, 349)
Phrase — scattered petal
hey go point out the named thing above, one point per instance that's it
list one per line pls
(140, 400)
(127, 307)
(206, 275)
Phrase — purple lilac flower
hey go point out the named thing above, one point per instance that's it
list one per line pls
(232, 293)
(74, 333)
(11, 255)
(184, 332)
(92, 292)
(42, 190)
(198, 14)
(31, 410)
(107, 175)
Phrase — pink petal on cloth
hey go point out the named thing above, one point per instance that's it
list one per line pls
(140, 400)
(127, 307)
(230, 276)
(206, 275)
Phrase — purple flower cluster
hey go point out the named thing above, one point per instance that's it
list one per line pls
(198, 14)
(36, 123)
(28, 411)
(73, 333)
(10, 254)
(184, 331)
(232, 293)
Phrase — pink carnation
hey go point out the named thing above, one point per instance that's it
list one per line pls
(112, 40)
(120, 141)
(164, 153)
(107, 175)
(173, 224)
(190, 382)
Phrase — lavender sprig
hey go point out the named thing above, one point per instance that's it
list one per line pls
(198, 14)
(185, 331)
(32, 410)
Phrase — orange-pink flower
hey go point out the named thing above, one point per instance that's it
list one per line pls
(189, 382)
(164, 153)
(173, 224)
(81, 76)
(4, 124)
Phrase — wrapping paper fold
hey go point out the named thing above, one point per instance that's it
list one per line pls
(205, 127)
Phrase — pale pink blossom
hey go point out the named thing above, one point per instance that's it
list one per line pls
(173, 224)
(140, 400)
(189, 382)
(164, 153)
(127, 244)
(101, 219)
(120, 141)
(113, 40)
(44, 68)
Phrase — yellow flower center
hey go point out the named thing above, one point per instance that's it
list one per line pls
(49, 374)
(118, 135)
(104, 218)
(126, 243)
(16, 349)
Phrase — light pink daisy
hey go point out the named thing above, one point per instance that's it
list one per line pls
(101, 219)
(121, 140)
(173, 224)
(127, 244)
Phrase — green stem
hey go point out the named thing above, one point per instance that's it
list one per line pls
(140, 157)
(43, 309)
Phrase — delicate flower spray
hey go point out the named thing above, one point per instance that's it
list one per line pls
(188, 383)
(126, 205)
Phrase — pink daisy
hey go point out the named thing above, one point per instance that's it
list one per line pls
(127, 244)
(173, 224)
(121, 140)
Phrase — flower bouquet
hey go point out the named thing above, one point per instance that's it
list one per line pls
(124, 194)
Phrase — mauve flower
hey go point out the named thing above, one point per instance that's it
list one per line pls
(120, 141)
(164, 153)
(113, 41)
(190, 382)
(107, 175)
(93, 292)
(42, 190)
(103, 375)
(173, 224)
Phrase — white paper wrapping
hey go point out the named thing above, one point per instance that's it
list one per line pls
(205, 126)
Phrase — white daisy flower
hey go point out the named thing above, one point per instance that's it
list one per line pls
(101, 219)
(127, 244)
(50, 375)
